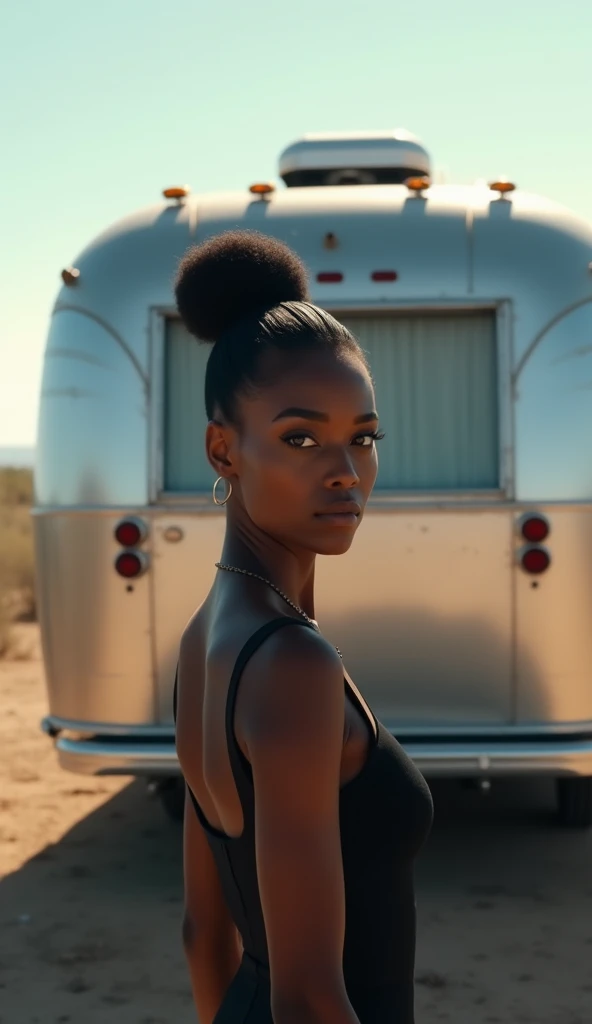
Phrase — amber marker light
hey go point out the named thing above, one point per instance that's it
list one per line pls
(176, 192)
(262, 188)
(417, 185)
(502, 186)
(70, 276)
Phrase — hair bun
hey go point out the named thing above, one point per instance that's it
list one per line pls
(234, 274)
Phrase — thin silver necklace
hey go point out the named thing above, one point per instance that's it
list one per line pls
(234, 568)
(245, 572)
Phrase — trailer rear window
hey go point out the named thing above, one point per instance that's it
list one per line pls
(185, 465)
(436, 393)
(437, 398)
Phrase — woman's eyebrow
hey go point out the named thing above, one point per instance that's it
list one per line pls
(319, 417)
(304, 414)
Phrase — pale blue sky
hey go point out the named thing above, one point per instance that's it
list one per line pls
(103, 104)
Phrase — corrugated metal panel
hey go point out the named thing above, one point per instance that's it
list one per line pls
(436, 394)
(186, 467)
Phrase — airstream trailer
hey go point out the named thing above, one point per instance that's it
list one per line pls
(464, 609)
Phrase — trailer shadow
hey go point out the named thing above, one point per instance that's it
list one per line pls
(128, 850)
(436, 669)
(99, 913)
(90, 928)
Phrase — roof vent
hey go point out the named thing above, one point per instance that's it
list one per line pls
(354, 158)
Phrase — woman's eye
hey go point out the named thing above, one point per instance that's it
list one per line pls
(300, 441)
(367, 440)
(306, 441)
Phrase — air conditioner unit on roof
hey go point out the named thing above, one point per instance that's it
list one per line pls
(354, 158)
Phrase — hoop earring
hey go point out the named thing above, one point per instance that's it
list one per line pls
(216, 482)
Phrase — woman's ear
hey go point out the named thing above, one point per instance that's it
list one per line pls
(219, 448)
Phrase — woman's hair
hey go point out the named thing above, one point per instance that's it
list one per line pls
(247, 293)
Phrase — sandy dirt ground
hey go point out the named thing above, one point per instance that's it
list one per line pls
(91, 895)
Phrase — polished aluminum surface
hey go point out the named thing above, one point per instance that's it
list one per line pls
(96, 627)
(438, 624)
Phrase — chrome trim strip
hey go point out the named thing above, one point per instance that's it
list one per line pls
(492, 733)
(419, 734)
(95, 757)
(201, 503)
(54, 724)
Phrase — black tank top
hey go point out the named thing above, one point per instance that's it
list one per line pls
(386, 813)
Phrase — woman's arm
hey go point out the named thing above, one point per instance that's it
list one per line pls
(211, 941)
(290, 712)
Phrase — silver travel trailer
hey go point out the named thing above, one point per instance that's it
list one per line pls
(464, 609)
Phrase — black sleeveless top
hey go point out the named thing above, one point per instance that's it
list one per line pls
(386, 813)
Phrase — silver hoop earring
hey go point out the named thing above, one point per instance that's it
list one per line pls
(216, 482)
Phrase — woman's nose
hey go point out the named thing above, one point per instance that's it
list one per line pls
(342, 473)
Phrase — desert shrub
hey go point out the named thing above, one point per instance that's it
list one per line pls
(17, 574)
(16, 549)
(5, 631)
(16, 487)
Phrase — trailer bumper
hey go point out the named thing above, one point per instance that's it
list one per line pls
(121, 752)
(487, 759)
(141, 754)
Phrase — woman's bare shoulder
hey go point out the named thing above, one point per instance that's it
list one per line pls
(293, 684)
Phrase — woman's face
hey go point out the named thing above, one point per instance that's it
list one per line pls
(306, 456)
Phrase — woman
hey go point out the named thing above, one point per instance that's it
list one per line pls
(303, 814)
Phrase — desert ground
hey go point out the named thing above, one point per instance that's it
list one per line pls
(91, 893)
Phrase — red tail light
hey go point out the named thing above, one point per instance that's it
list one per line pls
(384, 275)
(329, 277)
(535, 529)
(535, 560)
(130, 532)
(131, 564)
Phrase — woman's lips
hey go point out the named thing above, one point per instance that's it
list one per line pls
(338, 518)
(340, 514)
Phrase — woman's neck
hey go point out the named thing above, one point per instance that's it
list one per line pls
(257, 552)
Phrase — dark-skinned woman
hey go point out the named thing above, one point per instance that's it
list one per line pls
(303, 814)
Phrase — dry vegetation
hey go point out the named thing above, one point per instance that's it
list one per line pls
(17, 596)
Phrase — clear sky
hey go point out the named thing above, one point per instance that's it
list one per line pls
(102, 105)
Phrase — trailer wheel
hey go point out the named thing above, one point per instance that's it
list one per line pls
(574, 800)
(172, 794)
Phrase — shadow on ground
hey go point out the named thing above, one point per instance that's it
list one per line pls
(91, 925)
